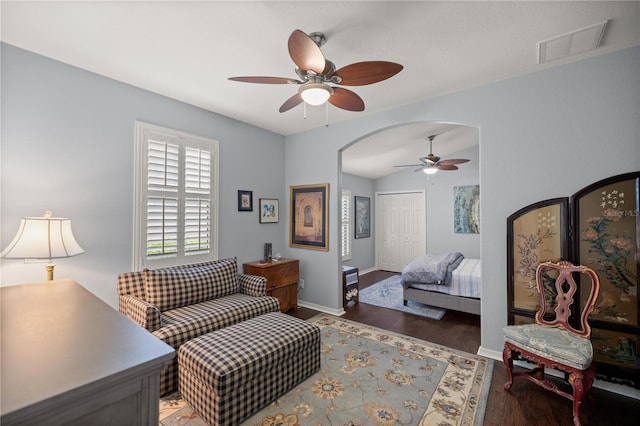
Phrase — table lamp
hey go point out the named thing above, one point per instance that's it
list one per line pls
(43, 239)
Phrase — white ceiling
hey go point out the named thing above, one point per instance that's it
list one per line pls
(187, 50)
(376, 155)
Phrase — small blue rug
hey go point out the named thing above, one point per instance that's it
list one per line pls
(388, 294)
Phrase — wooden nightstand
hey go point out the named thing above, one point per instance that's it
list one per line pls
(282, 280)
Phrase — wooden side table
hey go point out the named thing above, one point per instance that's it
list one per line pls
(350, 285)
(282, 279)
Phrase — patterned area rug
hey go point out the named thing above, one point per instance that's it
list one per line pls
(371, 376)
(388, 294)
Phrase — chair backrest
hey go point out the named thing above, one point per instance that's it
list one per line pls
(558, 279)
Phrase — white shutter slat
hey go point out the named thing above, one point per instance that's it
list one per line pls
(197, 170)
(197, 230)
(162, 165)
(162, 221)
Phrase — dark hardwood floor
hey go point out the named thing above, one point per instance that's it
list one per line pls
(526, 403)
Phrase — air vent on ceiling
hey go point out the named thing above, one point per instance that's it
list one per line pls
(578, 41)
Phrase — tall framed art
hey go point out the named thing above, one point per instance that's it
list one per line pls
(362, 217)
(466, 209)
(309, 216)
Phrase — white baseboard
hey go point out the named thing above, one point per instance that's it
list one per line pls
(600, 384)
(366, 271)
(490, 353)
(330, 311)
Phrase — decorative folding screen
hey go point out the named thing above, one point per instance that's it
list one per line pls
(599, 227)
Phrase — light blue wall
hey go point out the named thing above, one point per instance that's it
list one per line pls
(67, 146)
(362, 249)
(542, 135)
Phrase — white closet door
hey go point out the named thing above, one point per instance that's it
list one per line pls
(400, 229)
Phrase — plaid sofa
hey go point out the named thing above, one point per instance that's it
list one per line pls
(177, 304)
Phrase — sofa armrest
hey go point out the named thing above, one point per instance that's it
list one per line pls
(142, 313)
(252, 285)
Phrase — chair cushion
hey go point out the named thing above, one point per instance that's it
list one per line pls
(552, 343)
(172, 288)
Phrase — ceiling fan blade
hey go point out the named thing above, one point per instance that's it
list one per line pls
(305, 53)
(410, 165)
(453, 161)
(346, 99)
(362, 73)
(266, 80)
(293, 101)
(446, 167)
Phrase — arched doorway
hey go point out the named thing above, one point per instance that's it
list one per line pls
(366, 169)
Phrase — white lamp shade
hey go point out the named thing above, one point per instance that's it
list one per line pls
(43, 238)
(315, 93)
(430, 170)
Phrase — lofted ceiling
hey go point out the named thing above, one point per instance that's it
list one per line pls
(186, 50)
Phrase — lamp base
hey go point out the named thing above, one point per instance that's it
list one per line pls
(50, 267)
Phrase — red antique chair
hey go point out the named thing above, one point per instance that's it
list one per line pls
(552, 342)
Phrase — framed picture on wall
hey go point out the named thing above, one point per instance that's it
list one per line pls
(269, 211)
(466, 209)
(309, 217)
(245, 201)
(363, 217)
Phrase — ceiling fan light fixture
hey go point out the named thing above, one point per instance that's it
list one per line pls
(430, 170)
(315, 93)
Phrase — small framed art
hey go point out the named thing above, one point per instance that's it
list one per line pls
(269, 210)
(245, 201)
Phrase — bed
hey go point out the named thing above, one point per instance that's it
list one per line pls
(447, 280)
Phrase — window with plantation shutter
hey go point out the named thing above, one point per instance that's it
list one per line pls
(176, 193)
(345, 230)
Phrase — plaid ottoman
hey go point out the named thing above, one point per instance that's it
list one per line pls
(231, 373)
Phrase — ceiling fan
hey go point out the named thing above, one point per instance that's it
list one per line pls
(315, 73)
(432, 163)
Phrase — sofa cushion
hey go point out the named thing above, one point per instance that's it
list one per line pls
(185, 323)
(171, 288)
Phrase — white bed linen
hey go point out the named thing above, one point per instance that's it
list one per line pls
(465, 281)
